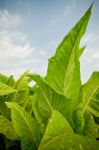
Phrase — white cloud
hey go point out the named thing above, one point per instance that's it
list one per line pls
(14, 45)
(95, 55)
(34, 60)
(8, 20)
(16, 52)
(90, 38)
(9, 50)
(90, 58)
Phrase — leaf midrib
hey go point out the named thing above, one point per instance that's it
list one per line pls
(46, 99)
(64, 88)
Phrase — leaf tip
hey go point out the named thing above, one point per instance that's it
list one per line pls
(90, 8)
(8, 105)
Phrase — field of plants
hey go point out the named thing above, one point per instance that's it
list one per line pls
(58, 112)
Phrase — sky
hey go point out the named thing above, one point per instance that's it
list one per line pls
(31, 30)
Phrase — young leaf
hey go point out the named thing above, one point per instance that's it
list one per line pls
(63, 72)
(21, 85)
(11, 81)
(7, 128)
(7, 80)
(25, 126)
(5, 89)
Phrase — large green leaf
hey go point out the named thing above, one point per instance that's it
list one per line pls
(47, 99)
(25, 126)
(57, 134)
(87, 92)
(7, 128)
(63, 72)
(5, 89)
(60, 136)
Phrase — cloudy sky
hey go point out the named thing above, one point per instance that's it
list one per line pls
(30, 31)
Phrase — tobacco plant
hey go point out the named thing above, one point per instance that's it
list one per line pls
(58, 112)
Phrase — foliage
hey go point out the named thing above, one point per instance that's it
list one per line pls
(59, 112)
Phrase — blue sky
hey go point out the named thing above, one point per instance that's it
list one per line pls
(30, 31)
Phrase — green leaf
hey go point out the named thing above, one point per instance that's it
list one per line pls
(4, 110)
(79, 122)
(94, 104)
(81, 50)
(7, 128)
(63, 72)
(58, 107)
(36, 108)
(3, 78)
(7, 80)
(96, 119)
(11, 81)
(87, 92)
(90, 128)
(21, 85)
(5, 89)
(97, 126)
(84, 124)
(26, 127)
(57, 134)
(48, 99)
(60, 136)
(93, 107)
